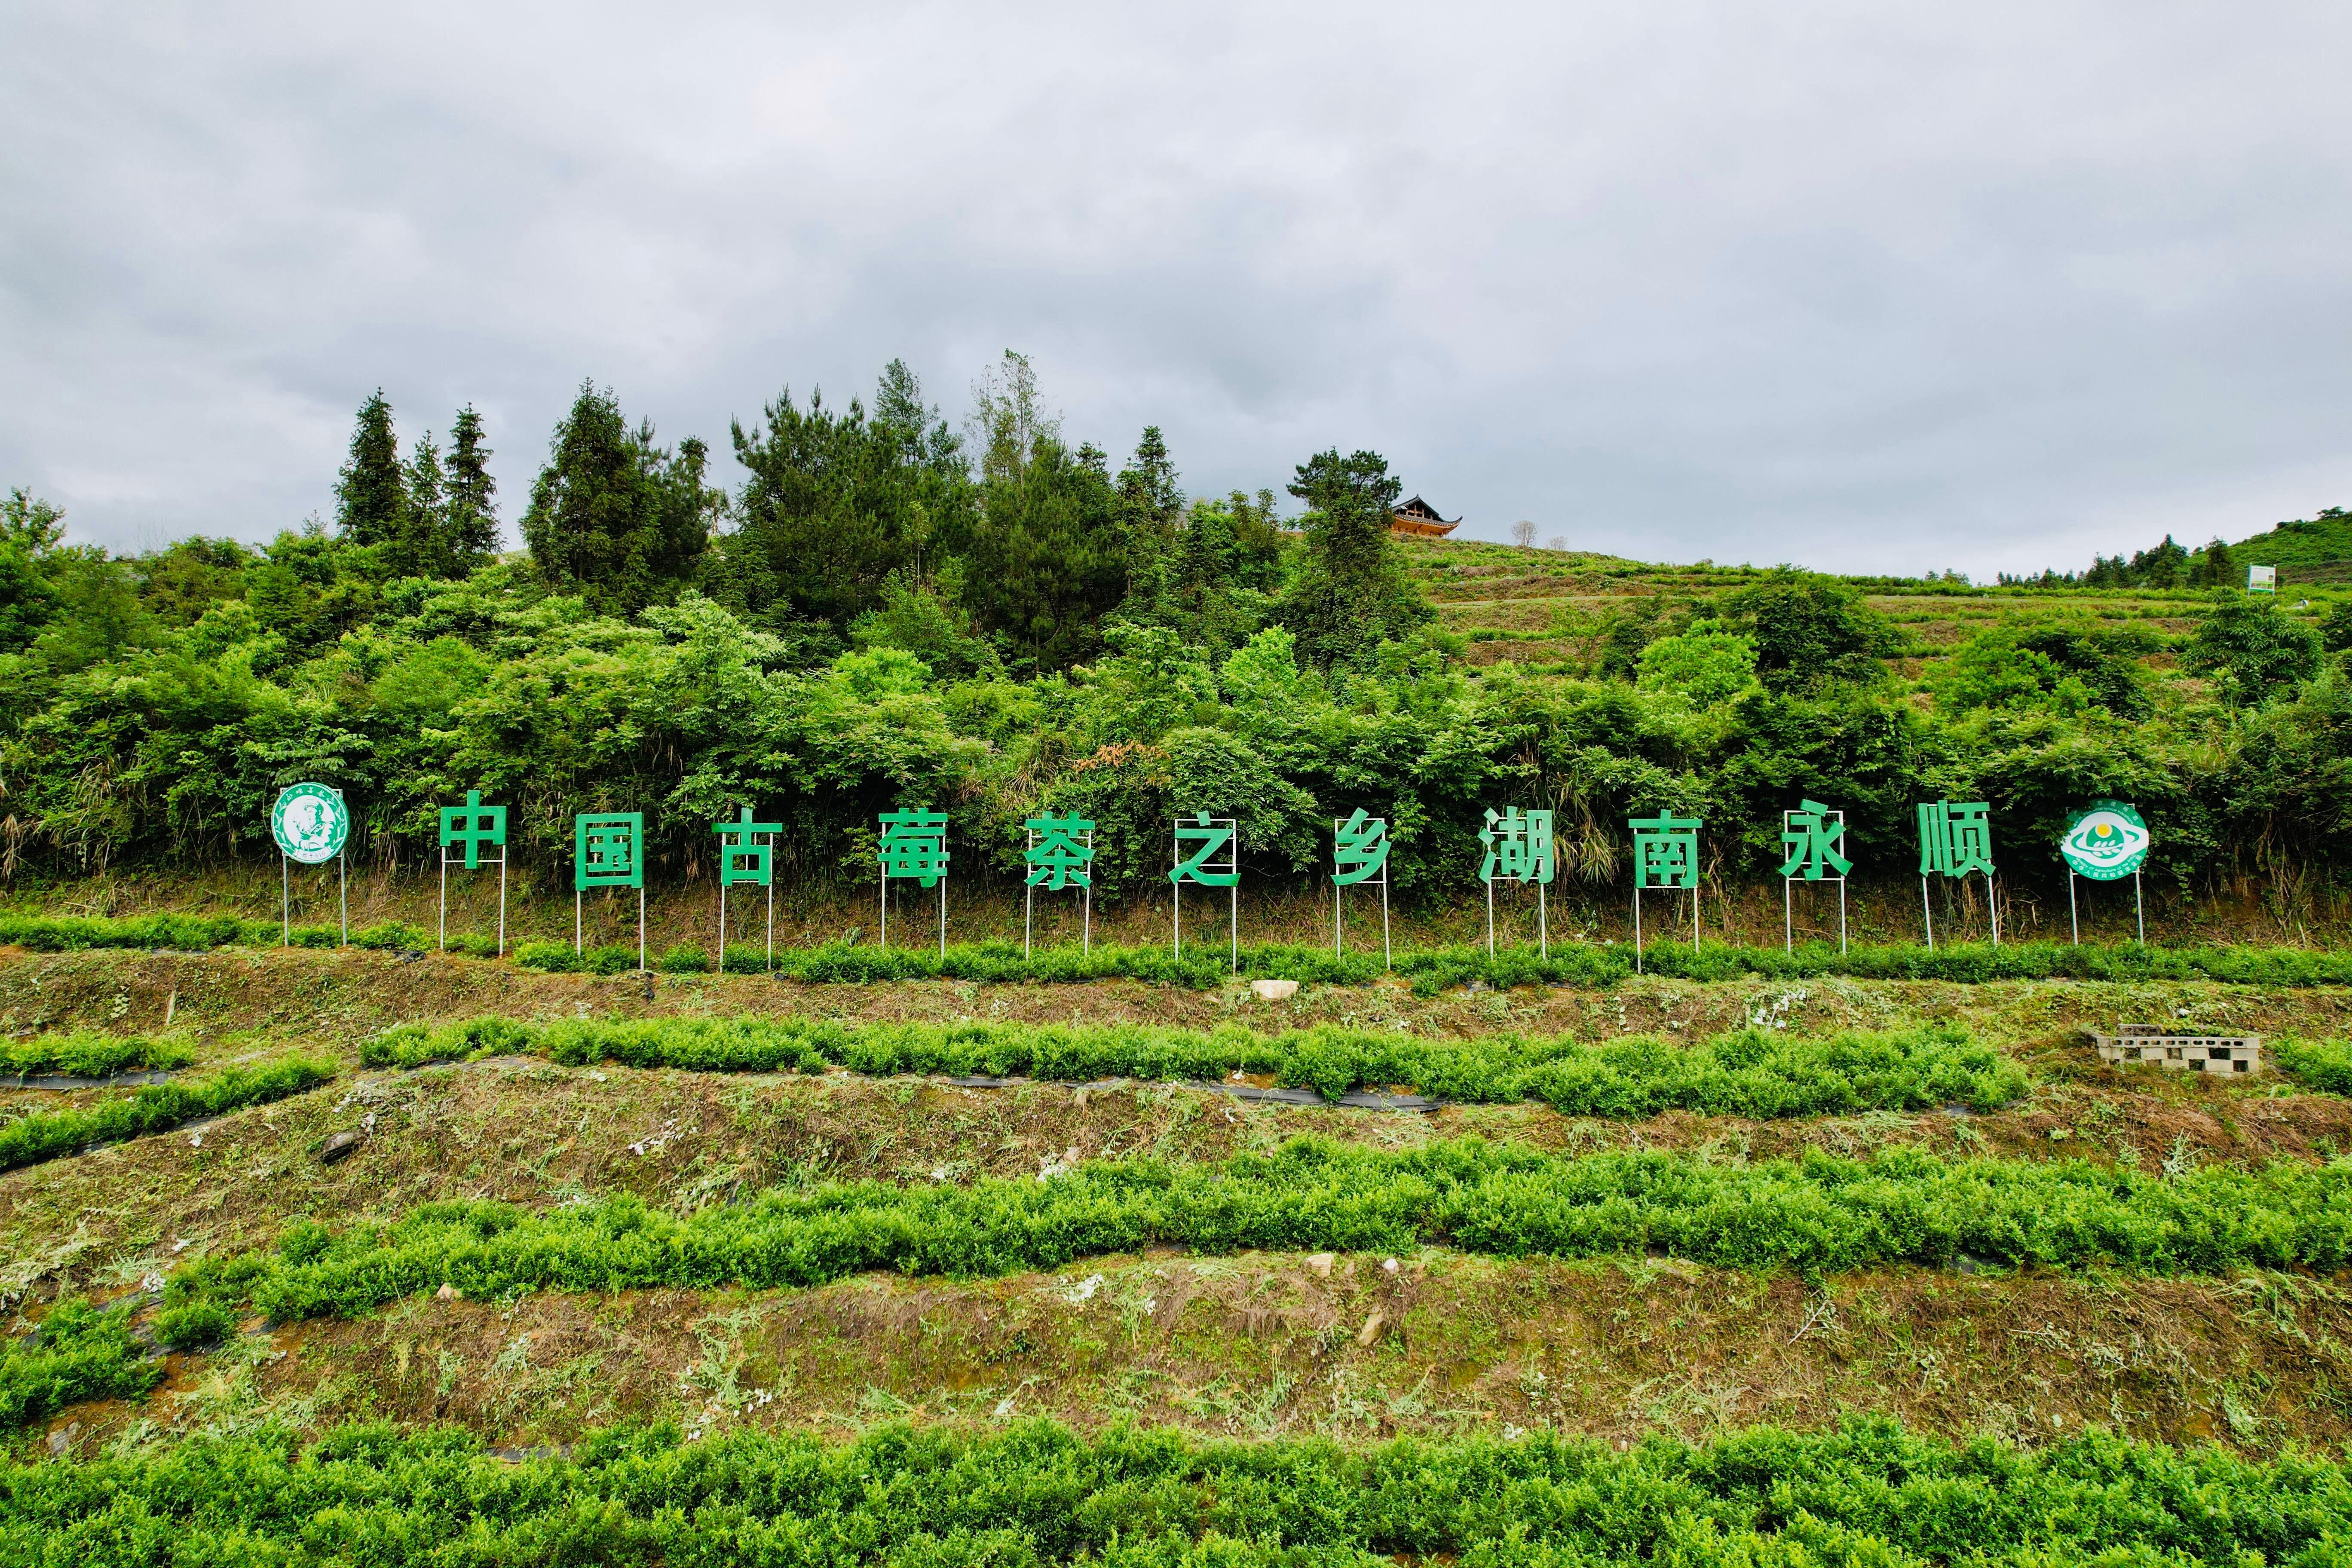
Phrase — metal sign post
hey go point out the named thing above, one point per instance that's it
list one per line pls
(474, 824)
(2106, 841)
(1812, 835)
(914, 844)
(1359, 854)
(1061, 852)
(311, 825)
(1212, 834)
(608, 852)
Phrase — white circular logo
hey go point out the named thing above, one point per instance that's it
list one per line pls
(310, 823)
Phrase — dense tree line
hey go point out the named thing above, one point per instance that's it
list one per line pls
(889, 611)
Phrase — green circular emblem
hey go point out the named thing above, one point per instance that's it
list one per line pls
(310, 823)
(2105, 840)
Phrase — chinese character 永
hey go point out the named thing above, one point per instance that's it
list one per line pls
(1810, 834)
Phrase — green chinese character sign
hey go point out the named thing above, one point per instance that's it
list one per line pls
(1210, 839)
(468, 827)
(1359, 854)
(607, 853)
(1956, 841)
(1061, 854)
(747, 851)
(1810, 837)
(914, 847)
(1665, 855)
(1518, 849)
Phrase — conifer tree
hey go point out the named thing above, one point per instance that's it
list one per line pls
(1351, 591)
(471, 517)
(372, 496)
(613, 517)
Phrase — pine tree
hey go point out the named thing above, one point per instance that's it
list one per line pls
(1351, 591)
(416, 549)
(372, 496)
(471, 517)
(613, 517)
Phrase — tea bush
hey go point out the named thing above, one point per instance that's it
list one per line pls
(154, 1107)
(79, 1353)
(89, 1053)
(1753, 1073)
(1867, 1492)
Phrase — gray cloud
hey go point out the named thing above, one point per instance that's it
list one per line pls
(1864, 287)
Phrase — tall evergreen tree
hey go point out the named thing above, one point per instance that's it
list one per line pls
(372, 496)
(613, 517)
(416, 549)
(1351, 591)
(472, 517)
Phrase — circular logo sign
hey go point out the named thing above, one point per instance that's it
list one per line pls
(2105, 840)
(310, 823)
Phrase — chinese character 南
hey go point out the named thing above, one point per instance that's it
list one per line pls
(1359, 850)
(1061, 857)
(473, 825)
(1665, 850)
(1518, 845)
(1954, 837)
(914, 844)
(1810, 834)
(1212, 836)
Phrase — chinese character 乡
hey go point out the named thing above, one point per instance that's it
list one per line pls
(1212, 836)
(1954, 837)
(606, 851)
(1060, 857)
(473, 825)
(914, 844)
(1810, 834)
(1665, 850)
(743, 860)
(1518, 845)
(1359, 850)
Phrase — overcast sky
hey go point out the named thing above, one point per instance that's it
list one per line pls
(1865, 287)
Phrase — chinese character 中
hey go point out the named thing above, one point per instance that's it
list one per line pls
(1518, 845)
(1060, 857)
(1359, 850)
(606, 851)
(914, 844)
(473, 825)
(1665, 850)
(743, 860)
(1810, 834)
(1954, 837)
(1212, 836)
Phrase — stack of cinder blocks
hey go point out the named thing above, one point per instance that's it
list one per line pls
(2183, 1053)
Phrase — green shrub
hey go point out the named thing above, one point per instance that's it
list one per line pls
(153, 1108)
(1819, 1214)
(1751, 1073)
(1865, 1493)
(685, 958)
(391, 936)
(2324, 1065)
(80, 1353)
(88, 1054)
(473, 945)
(195, 1325)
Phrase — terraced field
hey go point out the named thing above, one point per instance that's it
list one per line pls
(696, 1267)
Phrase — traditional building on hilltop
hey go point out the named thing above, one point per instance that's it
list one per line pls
(1418, 518)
